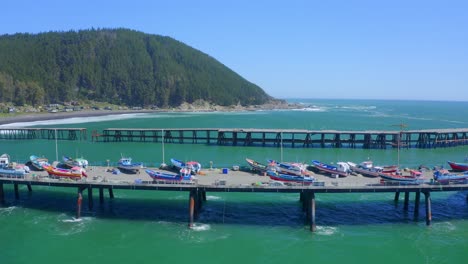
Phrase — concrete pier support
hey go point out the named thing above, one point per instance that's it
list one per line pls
(111, 193)
(101, 195)
(313, 226)
(29, 187)
(90, 198)
(397, 196)
(427, 196)
(416, 205)
(2, 195)
(78, 204)
(301, 197)
(405, 207)
(16, 191)
(204, 195)
(192, 196)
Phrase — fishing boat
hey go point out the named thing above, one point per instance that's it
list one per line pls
(257, 166)
(38, 162)
(291, 168)
(4, 160)
(341, 170)
(445, 177)
(194, 166)
(74, 173)
(401, 179)
(457, 166)
(184, 176)
(13, 169)
(126, 165)
(70, 162)
(276, 176)
(365, 171)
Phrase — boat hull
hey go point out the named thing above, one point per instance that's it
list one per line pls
(328, 169)
(458, 166)
(306, 180)
(257, 166)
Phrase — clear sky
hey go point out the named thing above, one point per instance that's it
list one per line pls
(375, 49)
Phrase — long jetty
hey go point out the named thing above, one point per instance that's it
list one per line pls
(197, 193)
(432, 138)
(295, 138)
(21, 133)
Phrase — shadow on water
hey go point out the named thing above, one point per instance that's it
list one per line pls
(243, 209)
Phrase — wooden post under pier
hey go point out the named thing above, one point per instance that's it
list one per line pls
(16, 191)
(427, 196)
(313, 226)
(397, 196)
(405, 207)
(191, 208)
(90, 198)
(111, 193)
(2, 195)
(416, 205)
(101, 195)
(78, 204)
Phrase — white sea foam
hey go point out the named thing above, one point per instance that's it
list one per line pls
(212, 197)
(7, 210)
(73, 220)
(326, 230)
(201, 227)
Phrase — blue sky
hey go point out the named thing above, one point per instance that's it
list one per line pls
(292, 49)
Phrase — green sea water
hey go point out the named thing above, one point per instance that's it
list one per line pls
(147, 227)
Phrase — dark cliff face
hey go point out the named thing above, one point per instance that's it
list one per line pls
(118, 66)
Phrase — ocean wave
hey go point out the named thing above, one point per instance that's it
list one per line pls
(311, 109)
(7, 210)
(200, 227)
(212, 197)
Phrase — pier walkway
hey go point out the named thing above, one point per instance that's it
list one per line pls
(21, 133)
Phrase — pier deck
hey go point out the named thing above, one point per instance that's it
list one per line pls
(234, 181)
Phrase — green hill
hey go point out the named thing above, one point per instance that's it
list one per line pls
(117, 66)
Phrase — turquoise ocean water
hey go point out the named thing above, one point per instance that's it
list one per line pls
(145, 227)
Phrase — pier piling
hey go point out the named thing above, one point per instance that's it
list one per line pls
(313, 227)
(427, 196)
(90, 198)
(16, 191)
(111, 193)
(416, 205)
(2, 195)
(101, 195)
(29, 187)
(191, 208)
(405, 207)
(78, 205)
(397, 196)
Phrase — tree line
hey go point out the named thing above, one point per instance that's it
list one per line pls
(117, 66)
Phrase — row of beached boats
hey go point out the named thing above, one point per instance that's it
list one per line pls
(291, 172)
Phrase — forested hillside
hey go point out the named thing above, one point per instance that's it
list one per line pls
(117, 66)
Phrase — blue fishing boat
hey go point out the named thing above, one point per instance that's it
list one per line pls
(126, 165)
(276, 176)
(38, 163)
(341, 171)
(445, 177)
(292, 168)
(194, 166)
(184, 176)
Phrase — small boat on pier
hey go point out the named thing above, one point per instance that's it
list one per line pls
(184, 176)
(38, 162)
(194, 166)
(70, 162)
(73, 173)
(341, 170)
(291, 168)
(457, 166)
(445, 177)
(257, 166)
(126, 165)
(413, 179)
(288, 178)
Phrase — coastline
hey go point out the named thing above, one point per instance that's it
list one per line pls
(31, 117)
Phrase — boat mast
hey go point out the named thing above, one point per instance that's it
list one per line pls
(281, 146)
(162, 140)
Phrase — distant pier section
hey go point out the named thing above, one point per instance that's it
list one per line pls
(21, 133)
(295, 138)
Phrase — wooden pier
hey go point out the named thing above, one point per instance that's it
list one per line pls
(21, 133)
(197, 193)
(290, 137)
